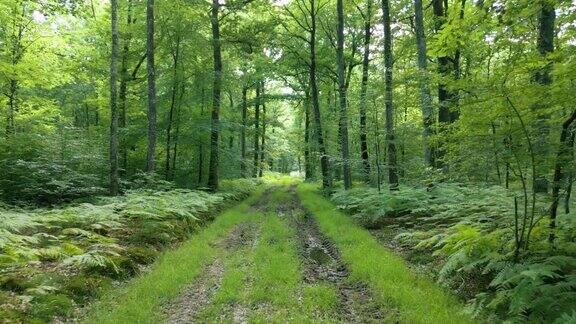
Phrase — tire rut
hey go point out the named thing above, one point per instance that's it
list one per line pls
(190, 303)
(322, 263)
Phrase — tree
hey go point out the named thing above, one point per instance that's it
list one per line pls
(347, 175)
(151, 154)
(216, 90)
(255, 164)
(324, 160)
(388, 62)
(363, 89)
(425, 98)
(113, 103)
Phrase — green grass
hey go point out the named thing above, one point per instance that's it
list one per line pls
(140, 300)
(265, 279)
(417, 299)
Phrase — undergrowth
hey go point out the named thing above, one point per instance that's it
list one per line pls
(466, 234)
(52, 261)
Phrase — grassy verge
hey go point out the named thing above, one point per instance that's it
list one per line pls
(140, 300)
(417, 299)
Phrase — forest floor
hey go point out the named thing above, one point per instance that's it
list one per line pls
(283, 255)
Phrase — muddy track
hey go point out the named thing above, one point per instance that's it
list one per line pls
(322, 263)
(197, 296)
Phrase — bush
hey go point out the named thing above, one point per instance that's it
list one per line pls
(54, 257)
(469, 231)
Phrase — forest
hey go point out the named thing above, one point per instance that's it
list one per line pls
(287, 161)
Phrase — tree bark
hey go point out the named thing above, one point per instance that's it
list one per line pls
(425, 97)
(114, 187)
(324, 161)
(562, 157)
(309, 173)
(243, 132)
(216, 89)
(256, 131)
(388, 62)
(363, 90)
(151, 155)
(343, 122)
(545, 44)
(263, 144)
(123, 92)
(175, 57)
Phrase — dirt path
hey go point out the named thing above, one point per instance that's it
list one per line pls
(198, 295)
(320, 267)
(322, 264)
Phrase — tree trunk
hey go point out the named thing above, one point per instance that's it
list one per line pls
(363, 90)
(123, 92)
(390, 138)
(324, 161)
(562, 158)
(114, 187)
(151, 156)
(243, 132)
(425, 97)
(175, 57)
(343, 122)
(216, 89)
(545, 44)
(256, 131)
(263, 144)
(177, 132)
(307, 162)
(445, 96)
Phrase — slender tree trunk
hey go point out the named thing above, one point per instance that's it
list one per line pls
(177, 132)
(216, 89)
(363, 90)
(175, 57)
(151, 156)
(243, 132)
(256, 131)
(114, 187)
(570, 172)
(343, 122)
(307, 162)
(324, 161)
(425, 97)
(123, 92)
(263, 144)
(562, 158)
(388, 61)
(545, 44)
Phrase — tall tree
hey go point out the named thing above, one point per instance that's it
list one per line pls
(388, 65)
(263, 144)
(216, 93)
(425, 98)
(173, 98)
(343, 122)
(243, 131)
(151, 154)
(256, 130)
(113, 104)
(363, 90)
(324, 160)
(123, 89)
(542, 76)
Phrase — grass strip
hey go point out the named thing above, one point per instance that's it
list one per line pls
(139, 301)
(417, 299)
